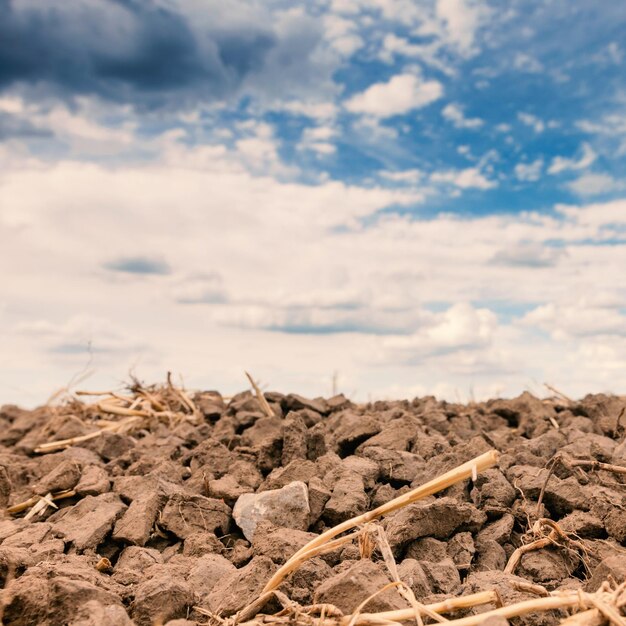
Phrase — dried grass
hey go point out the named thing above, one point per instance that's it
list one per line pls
(590, 609)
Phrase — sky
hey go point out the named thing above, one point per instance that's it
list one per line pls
(386, 198)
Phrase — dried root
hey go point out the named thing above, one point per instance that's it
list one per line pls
(142, 408)
(546, 532)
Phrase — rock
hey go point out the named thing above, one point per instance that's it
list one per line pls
(504, 584)
(560, 497)
(615, 524)
(461, 550)
(527, 413)
(161, 599)
(490, 556)
(279, 544)
(110, 445)
(396, 466)
(366, 468)
(399, 434)
(348, 589)
(9, 527)
(216, 457)
(211, 404)
(294, 402)
(93, 481)
(427, 549)
(295, 446)
(227, 488)
(583, 524)
(94, 613)
(207, 572)
(301, 471)
(412, 573)
(348, 499)
(352, 429)
(439, 519)
(134, 564)
(237, 589)
(288, 507)
(604, 410)
(34, 533)
(546, 565)
(498, 531)
(240, 553)
(243, 477)
(381, 494)
(87, 523)
(316, 442)
(199, 544)
(303, 582)
(137, 522)
(266, 438)
(13, 562)
(613, 567)
(318, 497)
(35, 599)
(63, 477)
(186, 514)
(5, 487)
(443, 576)
(337, 402)
(492, 491)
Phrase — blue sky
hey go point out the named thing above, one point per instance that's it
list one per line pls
(424, 196)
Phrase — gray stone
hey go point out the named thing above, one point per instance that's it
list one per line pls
(288, 507)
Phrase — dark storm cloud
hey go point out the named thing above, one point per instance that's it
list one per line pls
(122, 49)
(138, 265)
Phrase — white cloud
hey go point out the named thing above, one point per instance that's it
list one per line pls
(412, 176)
(560, 164)
(400, 94)
(529, 172)
(459, 327)
(78, 335)
(533, 121)
(461, 18)
(342, 34)
(321, 111)
(595, 184)
(454, 113)
(248, 250)
(577, 319)
(469, 178)
(527, 63)
(318, 139)
(525, 255)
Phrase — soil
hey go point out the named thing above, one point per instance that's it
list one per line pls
(189, 513)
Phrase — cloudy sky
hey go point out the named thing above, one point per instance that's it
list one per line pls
(416, 196)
